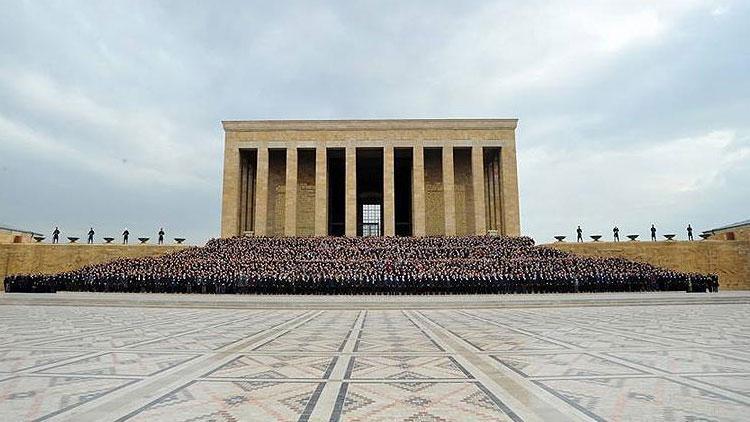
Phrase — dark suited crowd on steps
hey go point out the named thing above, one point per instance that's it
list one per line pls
(367, 265)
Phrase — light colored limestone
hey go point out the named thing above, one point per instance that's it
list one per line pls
(167, 357)
(261, 195)
(351, 192)
(509, 184)
(389, 219)
(321, 190)
(449, 199)
(418, 191)
(432, 212)
(477, 175)
(290, 224)
(46, 258)
(730, 260)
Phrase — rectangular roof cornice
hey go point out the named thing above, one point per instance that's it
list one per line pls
(385, 124)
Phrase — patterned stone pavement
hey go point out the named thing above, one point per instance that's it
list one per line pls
(661, 362)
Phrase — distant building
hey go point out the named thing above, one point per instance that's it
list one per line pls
(10, 235)
(736, 231)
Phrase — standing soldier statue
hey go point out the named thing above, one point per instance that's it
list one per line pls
(579, 232)
(653, 233)
(91, 236)
(56, 235)
(616, 234)
(690, 232)
(125, 235)
(161, 236)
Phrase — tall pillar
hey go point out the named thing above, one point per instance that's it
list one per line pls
(449, 196)
(477, 180)
(230, 201)
(509, 184)
(350, 219)
(261, 193)
(418, 217)
(321, 190)
(389, 212)
(290, 192)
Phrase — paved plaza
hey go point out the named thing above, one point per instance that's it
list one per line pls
(674, 357)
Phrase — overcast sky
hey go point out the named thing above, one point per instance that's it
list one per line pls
(631, 112)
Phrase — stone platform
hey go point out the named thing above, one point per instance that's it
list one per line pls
(666, 356)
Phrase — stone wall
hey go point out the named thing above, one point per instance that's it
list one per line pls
(736, 233)
(48, 258)
(434, 196)
(10, 236)
(305, 193)
(276, 192)
(729, 259)
(464, 191)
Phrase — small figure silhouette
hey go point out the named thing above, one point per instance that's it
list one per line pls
(616, 234)
(125, 235)
(56, 235)
(690, 232)
(161, 236)
(653, 233)
(91, 236)
(579, 232)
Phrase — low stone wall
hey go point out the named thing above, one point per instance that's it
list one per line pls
(18, 258)
(729, 259)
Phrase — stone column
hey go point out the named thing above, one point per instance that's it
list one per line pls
(350, 218)
(418, 217)
(321, 190)
(261, 193)
(290, 192)
(449, 196)
(230, 200)
(389, 212)
(509, 185)
(477, 180)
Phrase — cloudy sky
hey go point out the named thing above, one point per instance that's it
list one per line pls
(631, 112)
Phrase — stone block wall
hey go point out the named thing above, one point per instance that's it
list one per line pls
(305, 193)
(276, 192)
(464, 191)
(729, 259)
(434, 196)
(48, 258)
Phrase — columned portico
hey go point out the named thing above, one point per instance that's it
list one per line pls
(370, 177)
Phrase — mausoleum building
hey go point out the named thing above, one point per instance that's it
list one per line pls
(370, 177)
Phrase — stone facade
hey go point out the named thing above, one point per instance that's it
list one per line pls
(453, 190)
(737, 231)
(8, 235)
(729, 259)
(25, 258)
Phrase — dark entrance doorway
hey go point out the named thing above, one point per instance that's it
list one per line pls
(369, 192)
(402, 179)
(336, 191)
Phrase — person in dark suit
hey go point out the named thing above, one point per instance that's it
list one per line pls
(690, 232)
(616, 234)
(56, 235)
(161, 236)
(91, 236)
(653, 233)
(579, 234)
(125, 236)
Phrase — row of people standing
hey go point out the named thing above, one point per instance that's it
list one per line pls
(616, 233)
(91, 233)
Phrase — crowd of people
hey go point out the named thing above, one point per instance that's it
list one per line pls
(367, 265)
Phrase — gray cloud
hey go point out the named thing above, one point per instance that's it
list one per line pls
(631, 112)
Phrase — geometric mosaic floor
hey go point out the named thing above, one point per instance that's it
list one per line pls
(669, 362)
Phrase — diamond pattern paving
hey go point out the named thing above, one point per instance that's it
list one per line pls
(351, 360)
